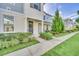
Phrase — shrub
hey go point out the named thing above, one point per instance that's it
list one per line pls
(13, 42)
(5, 44)
(46, 35)
(31, 38)
(2, 37)
(22, 36)
(25, 40)
(0, 44)
(12, 39)
(54, 33)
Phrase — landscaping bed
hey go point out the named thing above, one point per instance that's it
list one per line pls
(50, 35)
(10, 42)
(68, 48)
(61, 34)
(46, 35)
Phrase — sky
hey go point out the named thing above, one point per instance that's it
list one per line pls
(66, 9)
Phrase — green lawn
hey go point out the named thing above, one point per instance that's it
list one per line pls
(67, 48)
(17, 47)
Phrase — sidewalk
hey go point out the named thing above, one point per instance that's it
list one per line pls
(40, 39)
(40, 48)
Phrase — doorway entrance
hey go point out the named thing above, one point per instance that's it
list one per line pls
(30, 26)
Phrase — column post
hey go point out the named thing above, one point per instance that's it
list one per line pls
(42, 25)
(26, 24)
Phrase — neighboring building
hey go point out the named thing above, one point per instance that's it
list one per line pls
(47, 19)
(19, 17)
(69, 24)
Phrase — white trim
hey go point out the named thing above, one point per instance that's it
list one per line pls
(26, 27)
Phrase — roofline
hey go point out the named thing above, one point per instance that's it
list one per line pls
(48, 14)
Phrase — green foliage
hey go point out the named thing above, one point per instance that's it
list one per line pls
(13, 42)
(12, 39)
(69, 47)
(22, 36)
(46, 35)
(78, 12)
(10, 49)
(77, 26)
(0, 44)
(77, 20)
(57, 23)
(74, 29)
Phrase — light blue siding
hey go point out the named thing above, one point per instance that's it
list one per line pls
(17, 7)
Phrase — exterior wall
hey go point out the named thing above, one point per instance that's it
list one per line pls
(45, 27)
(1, 23)
(19, 24)
(19, 21)
(17, 7)
(35, 28)
(49, 27)
(69, 24)
(47, 17)
(33, 13)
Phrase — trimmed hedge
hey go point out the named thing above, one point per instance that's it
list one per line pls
(12, 39)
(46, 35)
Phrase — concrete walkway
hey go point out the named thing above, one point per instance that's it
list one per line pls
(41, 48)
(40, 39)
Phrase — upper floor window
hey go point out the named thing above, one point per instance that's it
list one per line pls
(36, 6)
(8, 23)
(47, 17)
(16, 7)
(12, 4)
(8, 8)
(44, 17)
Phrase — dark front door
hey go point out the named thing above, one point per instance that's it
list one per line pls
(31, 26)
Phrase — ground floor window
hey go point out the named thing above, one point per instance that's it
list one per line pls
(30, 26)
(45, 27)
(8, 23)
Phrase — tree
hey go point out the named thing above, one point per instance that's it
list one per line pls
(77, 20)
(78, 12)
(57, 23)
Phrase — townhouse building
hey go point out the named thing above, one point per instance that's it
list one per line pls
(69, 24)
(24, 17)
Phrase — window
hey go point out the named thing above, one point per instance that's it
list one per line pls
(44, 17)
(46, 27)
(8, 8)
(36, 6)
(8, 23)
(47, 17)
(30, 26)
(13, 4)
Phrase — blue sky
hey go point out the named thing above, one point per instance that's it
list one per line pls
(66, 9)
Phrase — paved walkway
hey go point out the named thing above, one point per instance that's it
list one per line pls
(40, 39)
(40, 48)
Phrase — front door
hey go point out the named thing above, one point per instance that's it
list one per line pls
(30, 26)
(39, 27)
